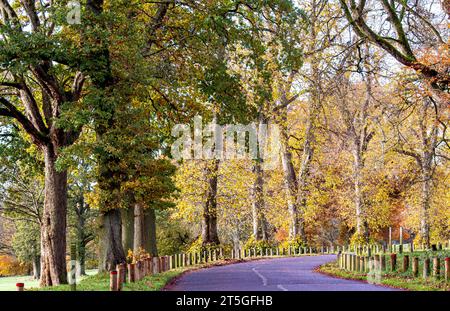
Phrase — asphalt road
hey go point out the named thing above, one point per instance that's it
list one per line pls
(281, 274)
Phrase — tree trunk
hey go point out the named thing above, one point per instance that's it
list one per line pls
(303, 175)
(36, 267)
(53, 233)
(128, 229)
(425, 201)
(290, 181)
(209, 221)
(361, 223)
(139, 230)
(150, 244)
(81, 238)
(82, 258)
(259, 228)
(111, 250)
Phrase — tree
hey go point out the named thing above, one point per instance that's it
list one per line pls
(407, 23)
(39, 79)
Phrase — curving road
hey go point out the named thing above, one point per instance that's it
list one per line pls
(281, 274)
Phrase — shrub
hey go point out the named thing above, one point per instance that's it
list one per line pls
(259, 245)
(9, 266)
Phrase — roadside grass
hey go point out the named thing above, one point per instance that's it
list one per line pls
(9, 283)
(393, 279)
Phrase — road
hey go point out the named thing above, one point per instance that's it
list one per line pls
(281, 274)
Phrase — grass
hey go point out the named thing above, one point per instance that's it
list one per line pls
(396, 279)
(9, 283)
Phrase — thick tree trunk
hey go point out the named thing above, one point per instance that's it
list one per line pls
(128, 229)
(111, 240)
(259, 226)
(209, 221)
(138, 228)
(53, 230)
(150, 244)
(145, 230)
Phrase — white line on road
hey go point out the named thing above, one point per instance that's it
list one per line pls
(282, 287)
(263, 278)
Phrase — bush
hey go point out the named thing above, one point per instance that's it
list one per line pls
(10, 266)
(197, 246)
(259, 245)
(294, 243)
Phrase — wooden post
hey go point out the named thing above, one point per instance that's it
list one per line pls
(405, 265)
(415, 266)
(436, 267)
(20, 287)
(447, 269)
(361, 263)
(383, 262)
(377, 262)
(155, 265)
(131, 275)
(393, 262)
(113, 281)
(123, 266)
(119, 276)
(138, 270)
(426, 268)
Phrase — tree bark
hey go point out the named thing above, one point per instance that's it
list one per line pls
(139, 230)
(259, 225)
(425, 204)
(128, 229)
(150, 243)
(53, 233)
(111, 250)
(36, 267)
(290, 179)
(209, 220)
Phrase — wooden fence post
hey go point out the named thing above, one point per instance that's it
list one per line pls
(361, 263)
(131, 276)
(383, 262)
(447, 269)
(426, 268)
(155, 265)
(393, 262)
(405, 266)
(436, 267)
(20, 287)
(113, 281)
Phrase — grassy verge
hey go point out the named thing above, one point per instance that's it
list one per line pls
(393, 279)
(100, 282)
